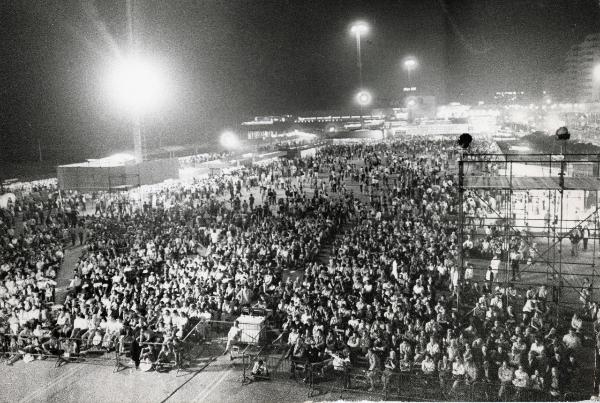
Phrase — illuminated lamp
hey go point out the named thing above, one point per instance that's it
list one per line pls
(562, 133)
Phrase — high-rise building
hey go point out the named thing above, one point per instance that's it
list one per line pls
(582, 81)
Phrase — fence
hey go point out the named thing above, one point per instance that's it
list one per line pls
(416, 385)
(322, 379)
(209, 338)
(63, 350)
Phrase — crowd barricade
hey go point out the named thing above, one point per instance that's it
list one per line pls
(68, 351)
(209, 338)
(321, 379)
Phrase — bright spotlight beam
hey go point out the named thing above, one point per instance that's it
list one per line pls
(364, 98)
(136, 84)
(359, 28)
(410, 64)
(229, 140)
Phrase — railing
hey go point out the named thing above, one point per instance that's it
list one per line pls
(321, 378)
(110, 351)
(416, 385)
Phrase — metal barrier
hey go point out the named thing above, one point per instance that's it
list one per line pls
(415, 385)
(112, 352)
(65, 351)
(208, 339)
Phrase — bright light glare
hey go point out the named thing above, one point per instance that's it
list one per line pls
(229, 140)
(411, 102)
(136, 84)
(359, 28)
(410, 64)
(120, 158)
(363, 98)
(597, 72)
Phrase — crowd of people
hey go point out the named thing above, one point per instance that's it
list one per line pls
(385, 302)
(387, 298)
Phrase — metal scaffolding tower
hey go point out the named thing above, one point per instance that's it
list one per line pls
(516, 205)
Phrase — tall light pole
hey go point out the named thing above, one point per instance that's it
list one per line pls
(135, 118)
(363, 98)
(359, 29)
(409, 64)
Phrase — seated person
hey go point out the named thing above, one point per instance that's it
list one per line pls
(259, 371)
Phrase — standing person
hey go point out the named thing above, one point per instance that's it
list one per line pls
(514, 263)
(251, 199)
(585, 235)
(136, 352)
(489, 278)
(495, 265)
(234, 336)
(374, 366)
(575, 236)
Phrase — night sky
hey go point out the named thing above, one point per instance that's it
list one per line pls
(228, 60)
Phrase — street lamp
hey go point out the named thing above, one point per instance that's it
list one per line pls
(359, 29)
(410, 64)
(137, 86)
(363, 98)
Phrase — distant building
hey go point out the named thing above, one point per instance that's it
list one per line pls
(582, 75)
(506, 97)
(270, 127)
(553, 87)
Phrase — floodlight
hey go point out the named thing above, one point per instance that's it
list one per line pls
(229, 140)
(364, 98)
(596, 72)
(136, 84)
(410, 63)
(562, 133)
(359, 28)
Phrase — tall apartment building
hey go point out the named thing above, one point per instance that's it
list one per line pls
(582, 74)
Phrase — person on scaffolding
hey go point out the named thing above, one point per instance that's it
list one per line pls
(575, 237)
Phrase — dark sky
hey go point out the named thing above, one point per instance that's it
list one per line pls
(230, 59)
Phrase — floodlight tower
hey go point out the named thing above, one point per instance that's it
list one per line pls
(363, 98)
(136, 123)
(359, 29)
(410, 64)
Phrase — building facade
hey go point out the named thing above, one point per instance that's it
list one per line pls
(582, 73)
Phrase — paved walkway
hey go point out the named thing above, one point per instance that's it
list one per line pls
(65, 274)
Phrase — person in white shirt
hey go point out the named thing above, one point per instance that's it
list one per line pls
(234, 336)
(80, 326)
(495, 265)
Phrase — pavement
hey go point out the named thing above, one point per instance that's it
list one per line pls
(221, 381)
